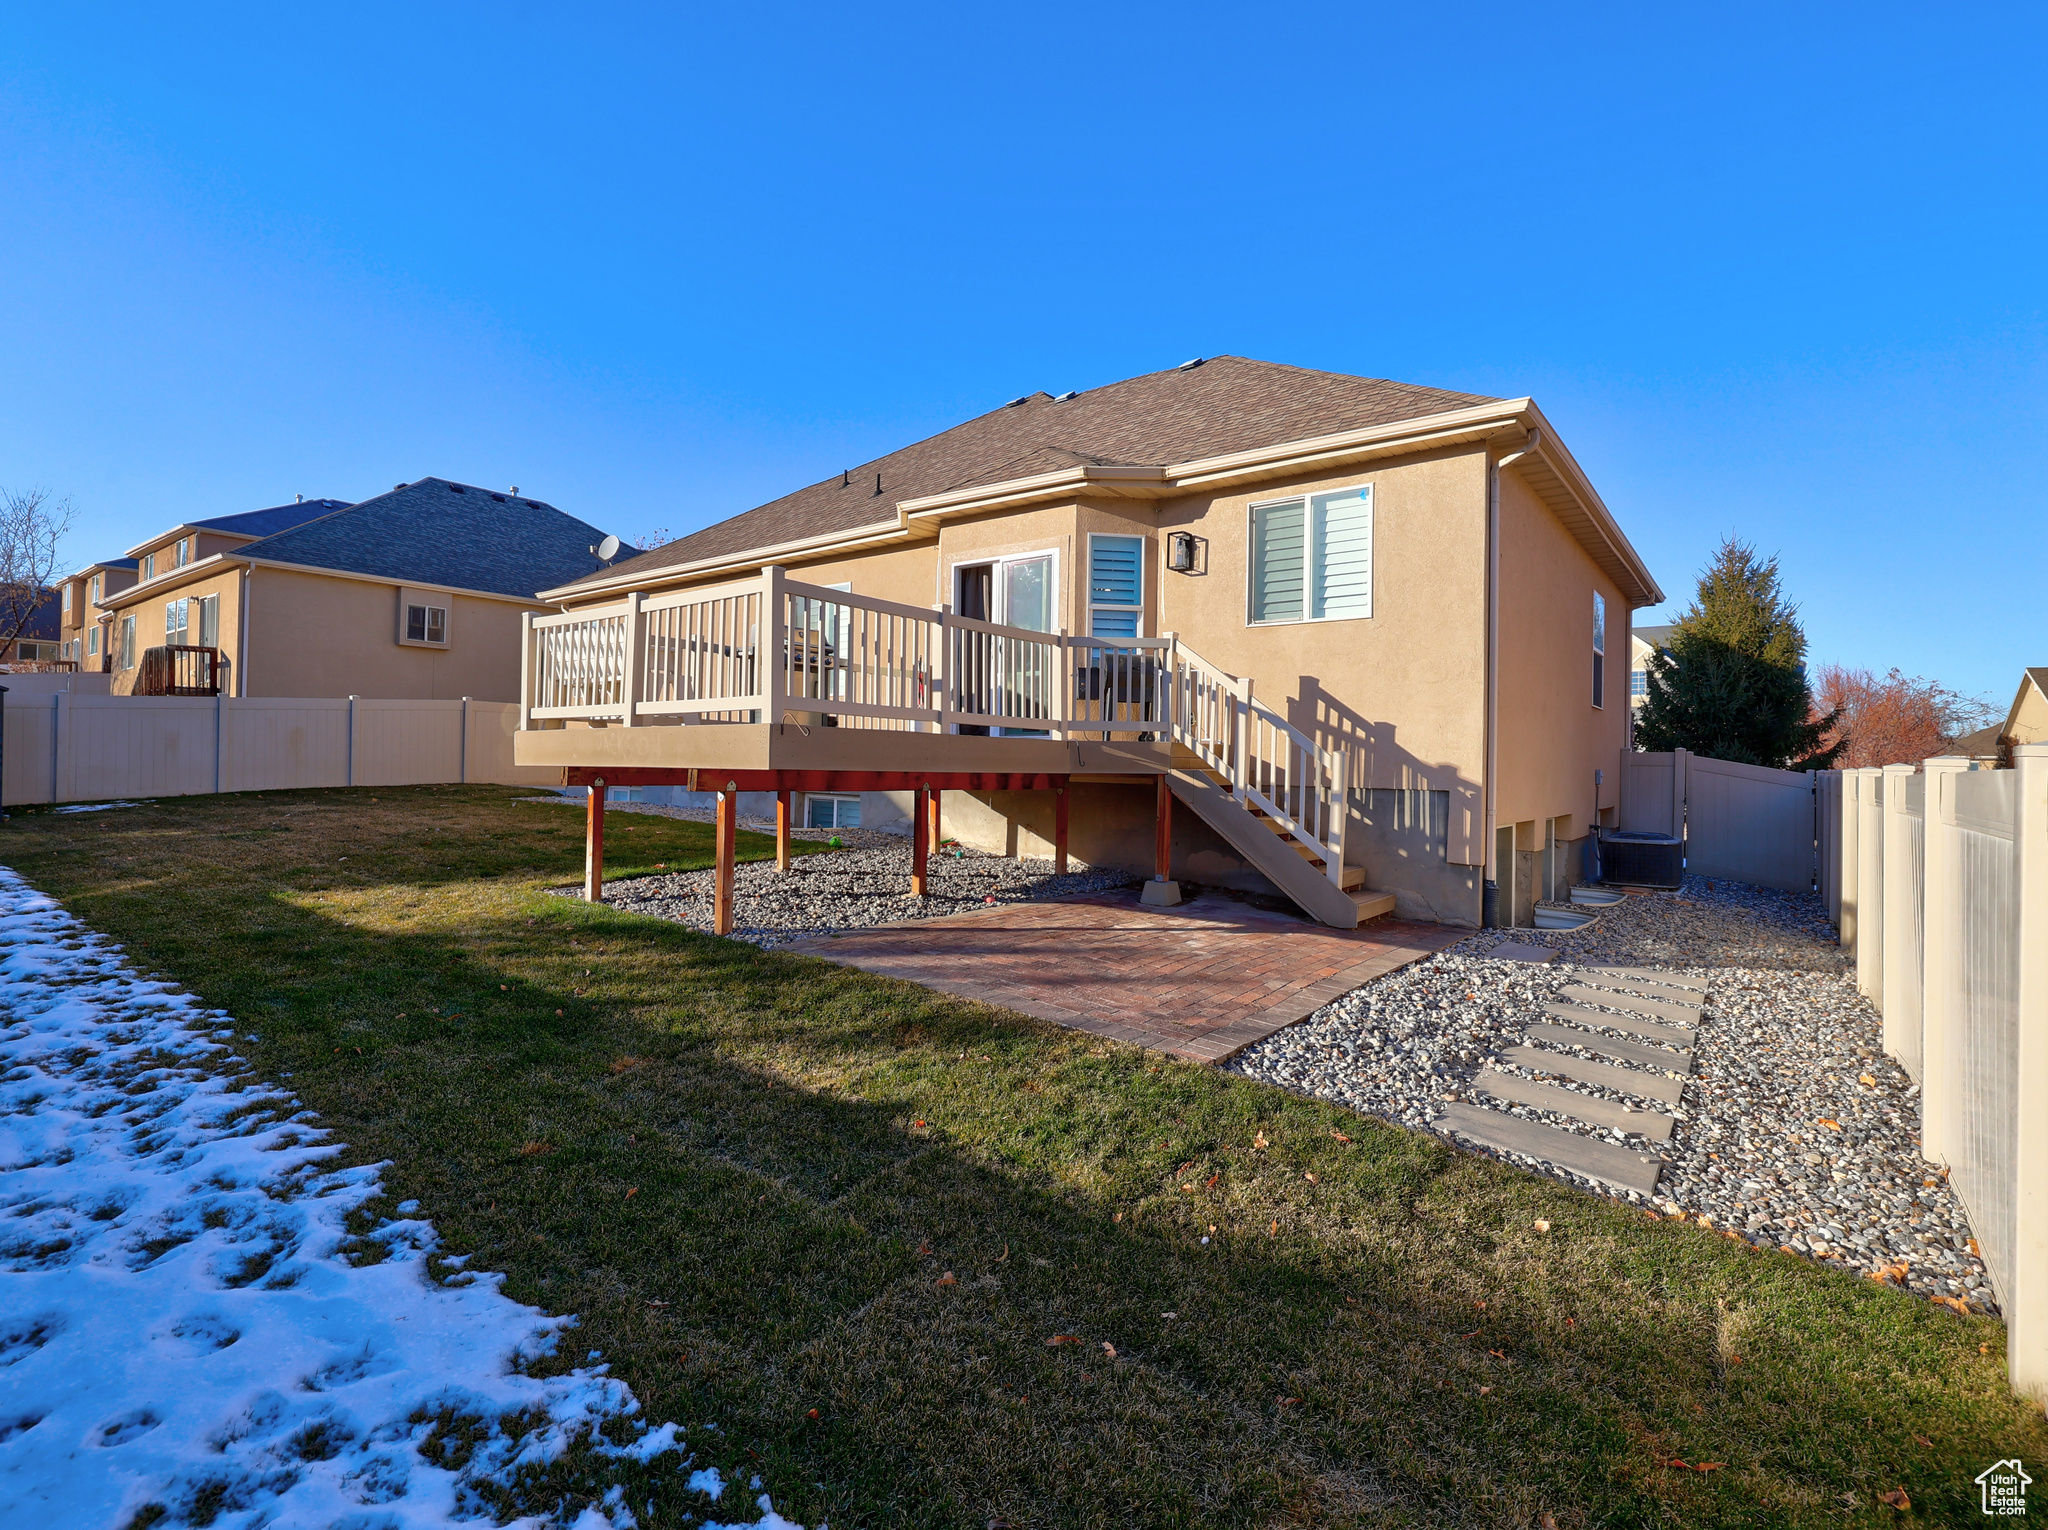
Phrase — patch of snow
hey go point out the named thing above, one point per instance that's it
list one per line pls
(93, 807)
(181, 1318)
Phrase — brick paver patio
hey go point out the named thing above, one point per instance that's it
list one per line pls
(1201, 981)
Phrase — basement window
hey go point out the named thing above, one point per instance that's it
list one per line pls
(831, 812)
(625, 794)
(1312, 557)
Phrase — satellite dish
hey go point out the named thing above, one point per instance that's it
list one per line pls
(608, 549)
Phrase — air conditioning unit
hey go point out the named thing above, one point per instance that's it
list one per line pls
(1642, 860)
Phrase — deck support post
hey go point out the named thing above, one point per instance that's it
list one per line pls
(920, 842)
(593, 843)
(932, 834)
(1059, 829)
(728, 845)
(1162, 891)
(782, 831)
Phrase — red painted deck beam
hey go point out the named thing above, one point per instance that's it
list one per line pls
(705, 779)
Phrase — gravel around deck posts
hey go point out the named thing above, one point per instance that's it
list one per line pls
(866, 883)
(1796, 1131)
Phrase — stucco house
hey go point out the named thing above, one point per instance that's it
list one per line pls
(412, 595)
(1355, 631)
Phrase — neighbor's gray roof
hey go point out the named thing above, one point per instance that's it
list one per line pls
(1226, 404)
(264, 523)
(438, 532)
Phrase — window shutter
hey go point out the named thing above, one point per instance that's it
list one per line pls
(1278, 557)
(1342, 562)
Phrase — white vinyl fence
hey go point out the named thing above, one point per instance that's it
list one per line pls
(1740, 823)
(67, 748)
(1943, 898)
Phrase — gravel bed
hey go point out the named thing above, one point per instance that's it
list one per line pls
(1796, 1131)
(865, 883)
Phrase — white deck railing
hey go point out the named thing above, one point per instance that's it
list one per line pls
(760, 649)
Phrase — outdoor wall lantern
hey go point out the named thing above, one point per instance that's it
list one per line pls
(1180, 552)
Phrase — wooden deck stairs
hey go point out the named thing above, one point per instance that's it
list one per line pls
(1298, 870)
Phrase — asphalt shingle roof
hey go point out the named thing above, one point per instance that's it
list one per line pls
(438, 532)
(263, 523)
(1227, 404)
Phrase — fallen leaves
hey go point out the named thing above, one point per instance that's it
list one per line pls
(1921, 1439)
(812, 1415)
(1865, 1078)
(1109, 1349)
(1062, 1338)
(1309, 1177)
(632, 1192)
(1287, 1402)
(1830, 1123)
(1687, 1466)
(1897, 1499)
(1954, 1303)
(948, 1279)
(535, 1149)
(1259, 1141)
(1543, 1224)
(1887, 1272)
(1274, 1230)
(1338, 1135)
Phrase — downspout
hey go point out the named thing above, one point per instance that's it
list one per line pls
(242, 651)
(1489, 914)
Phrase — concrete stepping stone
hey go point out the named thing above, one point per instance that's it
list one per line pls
(1606, 1162)
(1609, 1046)
(1679, 1014)
(1653, 1124)
(1655, 1030)
(1521, 951)
(1640, 975)
(1690, 998)
(1648, 1086)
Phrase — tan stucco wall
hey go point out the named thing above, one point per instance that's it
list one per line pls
(1552, 738)
(315, 636)
(311, 635)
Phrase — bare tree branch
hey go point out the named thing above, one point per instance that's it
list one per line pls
(31, 526)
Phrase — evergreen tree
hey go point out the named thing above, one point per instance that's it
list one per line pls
(1733, 684)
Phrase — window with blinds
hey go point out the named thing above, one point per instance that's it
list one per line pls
(1116, 586)
(1312, 557)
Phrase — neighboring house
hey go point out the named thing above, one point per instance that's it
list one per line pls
(2026, 722)
(1360, 629)
(41, 638)
(412, 595)
(1642, 642)
(85, 615)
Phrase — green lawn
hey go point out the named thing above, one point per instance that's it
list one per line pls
(859, 1212)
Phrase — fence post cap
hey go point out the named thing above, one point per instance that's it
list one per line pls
(2030, 751)
(1900, 770)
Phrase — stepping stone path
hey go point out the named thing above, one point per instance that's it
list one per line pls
(1656, 1012)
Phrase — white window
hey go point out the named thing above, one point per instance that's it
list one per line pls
(93, 589)
(831, 812)
(67, 599)
(1312, 557)
(127, 642)
(149, 565)
(625, 794)
(1599, 649)
(181, 552)
(177, 619)
(92, 640)
(209, 621)
(1116, 586)
(426, 624)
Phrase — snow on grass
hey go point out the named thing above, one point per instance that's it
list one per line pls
(185, 1320)
(94, 807)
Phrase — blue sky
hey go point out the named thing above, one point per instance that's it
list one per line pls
(1775, 273)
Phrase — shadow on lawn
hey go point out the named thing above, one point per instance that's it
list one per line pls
(799, 1234)
(810, 1151)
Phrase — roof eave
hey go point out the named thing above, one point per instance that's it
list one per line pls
(896, 529)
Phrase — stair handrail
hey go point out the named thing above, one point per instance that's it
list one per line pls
(1321, 822)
